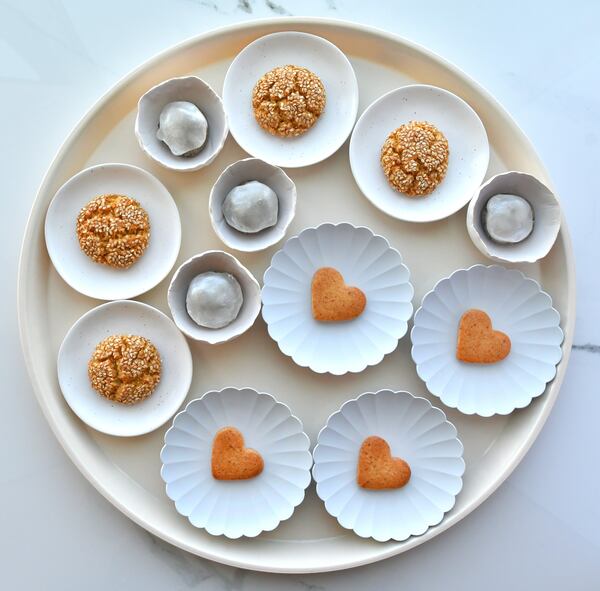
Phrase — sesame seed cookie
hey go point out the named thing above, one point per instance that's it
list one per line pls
(288, 100)
(414, 158)
(125, 368)
(113, 230)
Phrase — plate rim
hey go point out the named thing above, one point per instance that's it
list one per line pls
(281, 23)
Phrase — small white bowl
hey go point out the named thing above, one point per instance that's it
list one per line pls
(222, 262)
(366, 261)
(546, 216)
(415, 431)
(241, 507)
(300, 49)
(242, 171)
(101, 281)
(193, 90)
(518, 307)
(467, 142)
(124, 317)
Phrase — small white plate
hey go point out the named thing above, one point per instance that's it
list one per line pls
(416, 432)
(518, 307)
(101, 281)
(366, 261)
(546, 218)
(124, 317)
(242, 171)
(191, 89)
(222, 262)
(236, 508)
(467, 142)
(299, 49)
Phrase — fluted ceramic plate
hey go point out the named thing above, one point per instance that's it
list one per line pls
(415, 431)
(238, 507)
(366, 261)
(518, 307)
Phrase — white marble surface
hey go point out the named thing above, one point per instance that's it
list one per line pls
(541, 529)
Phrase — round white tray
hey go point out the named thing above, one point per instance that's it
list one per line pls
(127, 471)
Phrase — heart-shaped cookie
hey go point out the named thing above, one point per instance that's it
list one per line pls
(332, 299)
(477, 341)
(377, 469)
(231, 460)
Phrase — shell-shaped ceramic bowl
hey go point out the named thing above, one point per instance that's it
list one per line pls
(334, 124)
(516, 306)
(236, 508)
(366, 261)
(193, 90)
(467, 141)
(124, 317)
(102, 281)
(546, 216)
(222, 262)
(238, 173)
(415, 431)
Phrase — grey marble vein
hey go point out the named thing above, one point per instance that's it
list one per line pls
(245, 6)
(587, 347)
(277, 8)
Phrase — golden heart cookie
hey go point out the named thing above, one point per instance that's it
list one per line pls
(231, 460)
(478, 342)
(332, 299)
(377, 469)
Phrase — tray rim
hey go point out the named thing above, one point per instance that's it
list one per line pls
(284, 23)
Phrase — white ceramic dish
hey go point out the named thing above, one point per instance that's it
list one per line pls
(191, 89)
(366, 261)
(222, 262)
(467, 141)
(300, 49)
(546, 216)
(242, 171)
(518, 307)
(126, 472)
(416, 432)
(101, 281)
(124, 317)
(244, 507)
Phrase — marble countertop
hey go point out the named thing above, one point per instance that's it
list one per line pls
(540, 530)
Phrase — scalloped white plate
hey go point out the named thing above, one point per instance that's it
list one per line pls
(518, 307)
(418, 433)
(366, 261)
(236, 508)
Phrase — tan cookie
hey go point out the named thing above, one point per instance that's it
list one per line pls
(377, 469)
(478, 342)
(332, 299)
(231, 460)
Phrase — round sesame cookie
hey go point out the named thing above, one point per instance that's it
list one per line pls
(414, 158)
(288, 100)
(125, 368)
(113, 230)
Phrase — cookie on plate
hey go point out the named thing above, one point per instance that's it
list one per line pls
(478, 342)
(377, 469)
(231, 460)
(332, 299)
